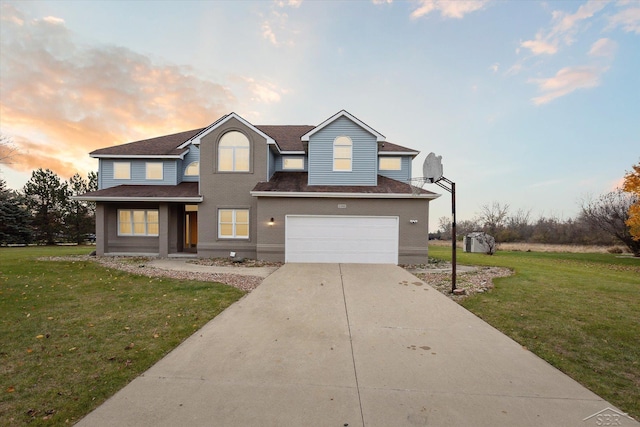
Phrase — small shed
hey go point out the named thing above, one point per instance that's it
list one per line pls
(479, 242)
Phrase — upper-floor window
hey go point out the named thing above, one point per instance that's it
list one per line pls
(293, 163)
(121, 170)
(154, 170)
(233, 152)
(342, 153)
(390, 164)
(193, 169)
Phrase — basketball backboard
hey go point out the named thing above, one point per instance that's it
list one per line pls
(432, 168)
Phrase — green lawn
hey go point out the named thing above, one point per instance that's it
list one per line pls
(74, 333)
(580, 312)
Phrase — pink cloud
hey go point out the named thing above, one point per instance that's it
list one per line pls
(603, 48)
(628, 19)
(448, 9)
(62, 98)
(563, 29)
(566, 81)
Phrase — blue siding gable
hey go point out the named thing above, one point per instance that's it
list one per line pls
(138, 171)
(364, 164)
(404, 174)
(280, 161)
(192, 156)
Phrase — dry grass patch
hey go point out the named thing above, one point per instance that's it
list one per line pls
(543, 247)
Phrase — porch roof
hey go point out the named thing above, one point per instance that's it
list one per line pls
(185, 192)
(295, 184)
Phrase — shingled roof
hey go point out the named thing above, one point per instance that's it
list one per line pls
(287, 137)
(297, 182)
(185, 191)
(160, 146)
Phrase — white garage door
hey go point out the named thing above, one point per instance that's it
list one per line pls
(341, 239)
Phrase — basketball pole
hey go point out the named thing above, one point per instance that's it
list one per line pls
(451, 189)
(453, 237)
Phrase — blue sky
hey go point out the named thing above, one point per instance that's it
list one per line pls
(531, 104)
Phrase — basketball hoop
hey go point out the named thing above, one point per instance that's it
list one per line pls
(416, 185)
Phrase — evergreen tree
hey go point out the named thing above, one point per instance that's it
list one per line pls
(79, 216)
(14, 217)
(45, 197)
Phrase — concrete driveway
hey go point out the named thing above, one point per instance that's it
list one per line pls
(350, 345)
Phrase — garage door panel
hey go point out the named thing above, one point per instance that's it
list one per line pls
(341, 239)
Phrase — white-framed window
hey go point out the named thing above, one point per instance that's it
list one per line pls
(342, 152)
(390, 164)
(293, 163)
(138, 222)
(233, 223)
(193, 169)
(233, 152)
(121, 170)
(154, 170)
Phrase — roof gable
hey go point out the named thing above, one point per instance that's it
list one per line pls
(343, 113)
(220, 122)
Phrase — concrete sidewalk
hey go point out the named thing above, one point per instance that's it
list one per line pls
(349, 345)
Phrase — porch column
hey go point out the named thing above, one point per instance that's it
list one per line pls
(101, 229)
(163, 232)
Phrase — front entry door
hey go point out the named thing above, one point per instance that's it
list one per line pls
(190, 230)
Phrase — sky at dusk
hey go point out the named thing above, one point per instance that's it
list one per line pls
(531, 104)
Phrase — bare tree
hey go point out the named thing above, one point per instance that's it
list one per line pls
(8, 149)
(493, 217)
(609, 212)
(444, 225)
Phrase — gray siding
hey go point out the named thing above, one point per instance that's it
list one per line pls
(364, 155)
(169, 240)
(412, 239)
(229, 190)
(137, 173)
(403, 174)
(192, 156)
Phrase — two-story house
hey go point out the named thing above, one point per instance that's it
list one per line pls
(336, 192)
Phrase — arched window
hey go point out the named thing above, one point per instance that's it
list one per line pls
(342, 151)
(233, 152)
(193, 169)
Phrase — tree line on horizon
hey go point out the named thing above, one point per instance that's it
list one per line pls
(43, 211)
(610, 219)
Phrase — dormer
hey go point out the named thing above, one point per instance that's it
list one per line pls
(343, 150)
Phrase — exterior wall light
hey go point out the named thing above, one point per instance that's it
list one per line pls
(271, 222)
(413, 221)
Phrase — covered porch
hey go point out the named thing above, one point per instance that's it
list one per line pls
(146, 220)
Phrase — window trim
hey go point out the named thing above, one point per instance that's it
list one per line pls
(146, 171)
(398, 158)
(234, 151)
(234, 223)
(132, 223)
(122, 165)
(349, 158)
(285, 167)
(197, 166)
